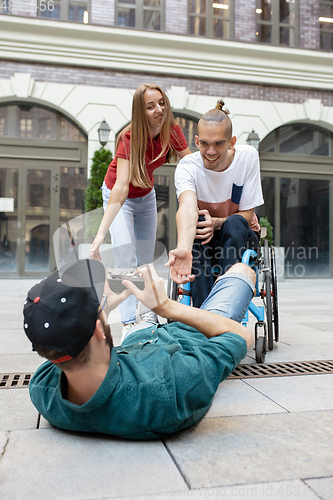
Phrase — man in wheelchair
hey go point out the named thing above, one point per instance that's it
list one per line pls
(160, 380)
(218, 189)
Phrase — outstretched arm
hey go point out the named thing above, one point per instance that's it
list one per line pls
(180, 259)
(154, 297)
(117, 197)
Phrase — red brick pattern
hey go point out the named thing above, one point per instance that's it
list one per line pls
(245, 20)
(176, 16)
(309, 24)
(108, 78)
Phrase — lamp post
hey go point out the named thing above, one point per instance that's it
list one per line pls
(253, 139)
(103, 133)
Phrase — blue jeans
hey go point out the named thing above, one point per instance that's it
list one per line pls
(225, 249)
(230, 297)
(133, 234)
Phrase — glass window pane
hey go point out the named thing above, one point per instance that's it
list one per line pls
(152, 3)
(268, 209)
(73, 181)
(287, 37)
(76, 11)
(264, 33)
(267, 145)
(126, 17)
(189, 128)
(326, 10)
(264, 10)
(304, 140)
(69, 132)
(326, 41)
(221, 29)
(8, 220)
(221, 8)
(305, 227)
(198, 26)
(3, 121)
(50, 13)
(37, 231)
(285, 7)
(151, 20)
(34, 122)
(198, 6)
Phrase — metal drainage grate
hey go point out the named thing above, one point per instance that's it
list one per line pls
(14, 380)
(283, 369)
(19, 380)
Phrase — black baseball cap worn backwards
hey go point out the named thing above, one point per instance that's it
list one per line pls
(60, 312)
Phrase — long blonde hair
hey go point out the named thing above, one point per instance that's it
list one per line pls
(140, 136)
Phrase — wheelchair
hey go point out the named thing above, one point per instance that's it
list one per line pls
(266, 328)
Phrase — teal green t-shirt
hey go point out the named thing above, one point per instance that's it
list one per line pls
(160, 380)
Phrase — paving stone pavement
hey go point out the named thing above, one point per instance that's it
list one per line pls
(265, 438)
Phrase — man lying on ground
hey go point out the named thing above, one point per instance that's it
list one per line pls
(160, 380)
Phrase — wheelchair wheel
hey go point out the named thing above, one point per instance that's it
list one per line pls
(274, 296)
(261, 349)
(268, 295)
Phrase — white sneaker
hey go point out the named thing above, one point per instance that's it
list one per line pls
(125, 331)
(149, 316)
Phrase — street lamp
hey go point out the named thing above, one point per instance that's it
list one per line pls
(103, 133)
(253, 139)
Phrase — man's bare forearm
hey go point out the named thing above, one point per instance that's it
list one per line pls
(206, 322)
(186, 227)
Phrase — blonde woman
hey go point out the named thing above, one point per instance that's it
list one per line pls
(150, 140)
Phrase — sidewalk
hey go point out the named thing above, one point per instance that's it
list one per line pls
(262, 437)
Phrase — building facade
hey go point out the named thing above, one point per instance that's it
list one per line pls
(65, 65)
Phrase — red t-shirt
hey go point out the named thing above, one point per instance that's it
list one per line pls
(154, 148)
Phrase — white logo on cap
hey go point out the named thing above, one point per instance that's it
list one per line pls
(63, 300)
(46, 325)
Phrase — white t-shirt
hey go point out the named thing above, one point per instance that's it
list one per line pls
(223, 193)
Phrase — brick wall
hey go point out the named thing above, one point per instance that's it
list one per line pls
(176, 16)
(103, 12)
(309, 24)
(245, 20)
(107, 78)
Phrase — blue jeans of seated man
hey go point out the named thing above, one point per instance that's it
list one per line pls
(230, 297)
(225, 249)
(133, 234)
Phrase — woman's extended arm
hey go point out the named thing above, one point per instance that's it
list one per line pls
(118, 195)
(183, 153)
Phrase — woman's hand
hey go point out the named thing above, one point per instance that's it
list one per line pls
(94, 249)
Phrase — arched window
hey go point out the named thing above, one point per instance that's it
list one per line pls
(28, 121)
(43, 175)
(297, 175)
(297, 139)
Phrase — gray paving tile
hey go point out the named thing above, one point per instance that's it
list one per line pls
(20, 363)
(52, 464)
(14, 342)
(3, 441)
(234, 397)
(321, 326)
(298, 393)
(293, 490)
(16, 410)
(323, 487)
(283, 352)
(240, 450)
